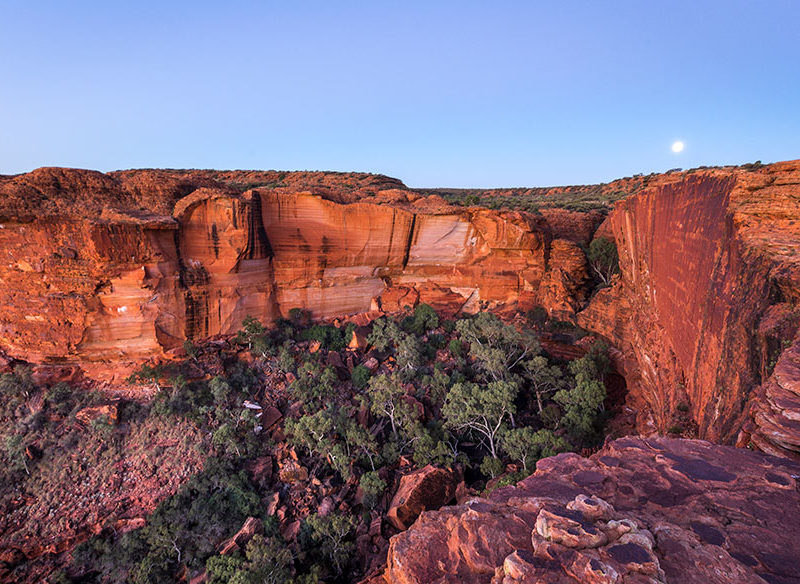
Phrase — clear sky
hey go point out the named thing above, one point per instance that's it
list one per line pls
(471, 94)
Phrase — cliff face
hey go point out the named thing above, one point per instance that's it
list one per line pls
(95, 270)
(704, 316)
(707, 302)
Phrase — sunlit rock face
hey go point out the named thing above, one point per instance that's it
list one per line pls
(123, 266)
(707, 304)
(95, 270)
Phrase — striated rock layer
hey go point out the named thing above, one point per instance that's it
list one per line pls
(101, 268)
(708, 301)
(127, 265)
(639, 511)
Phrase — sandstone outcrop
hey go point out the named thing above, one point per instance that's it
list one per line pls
(640, 510)
(105, 268)
(127, 265)
(707, 302)
(426, 488)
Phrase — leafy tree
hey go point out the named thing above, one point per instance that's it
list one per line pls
(544, 378)
(332, 533)
(359, 442)
(312, 431)
(269, 561)
(192, 351)
(314, 384)
(496, 347)
(254, 336)
(408, 355)
(373, 486)
(455, 347)
(285, 359)
(424, 319)
(60, 398)
(583, 403)
(604, 259)
(527, 445)
(386, 399)
(184, 529)
(384, 333)
(431, 445)
(481, 408)
(491, 466)
(15, 452)
(148, 374)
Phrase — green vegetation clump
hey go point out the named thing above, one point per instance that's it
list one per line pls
(603, 259)
(491, 404)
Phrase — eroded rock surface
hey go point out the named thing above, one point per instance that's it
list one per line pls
(640, 510)
(708, 302)
(126, 265)
(426, 488)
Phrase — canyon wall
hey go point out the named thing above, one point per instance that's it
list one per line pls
(104, 268)
(707, 305)
(94, 270)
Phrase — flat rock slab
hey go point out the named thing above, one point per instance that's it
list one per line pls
(673, 510)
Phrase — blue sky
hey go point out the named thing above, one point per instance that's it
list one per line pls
(470, 94)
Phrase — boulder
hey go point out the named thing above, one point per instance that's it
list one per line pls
(427, 488)
(88, 415)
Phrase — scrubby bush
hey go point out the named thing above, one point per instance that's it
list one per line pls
(360, 376)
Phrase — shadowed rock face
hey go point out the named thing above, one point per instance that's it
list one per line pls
(707, 304)
(640, 510)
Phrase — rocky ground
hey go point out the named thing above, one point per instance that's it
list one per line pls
(639, 511)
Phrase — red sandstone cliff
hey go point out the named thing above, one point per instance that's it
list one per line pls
(708, 302)
(120, 266)
(126, 265)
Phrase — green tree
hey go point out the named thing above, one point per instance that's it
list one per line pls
(408, 355)
(15, 452)
(527, 445)
(545, 379)
(583, 402)
(604, 259)
(333, 533)
(496, 347)
(360, 376)
(269, 561)
(148, 374)
(373, 487)
(491, 467)
(383, 334)
(253, 335)
(424, 319)
(386, 399)
(481, 408)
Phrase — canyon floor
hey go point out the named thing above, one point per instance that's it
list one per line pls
(263, 376)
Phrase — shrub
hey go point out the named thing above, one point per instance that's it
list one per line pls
(332, 534)
(491, 467)
(373, 486)
(604, 259)
(360, 376)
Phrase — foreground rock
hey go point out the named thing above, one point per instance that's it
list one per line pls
(423, 489)
(640, 510)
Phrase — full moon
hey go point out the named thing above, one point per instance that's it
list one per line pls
(677, 146)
